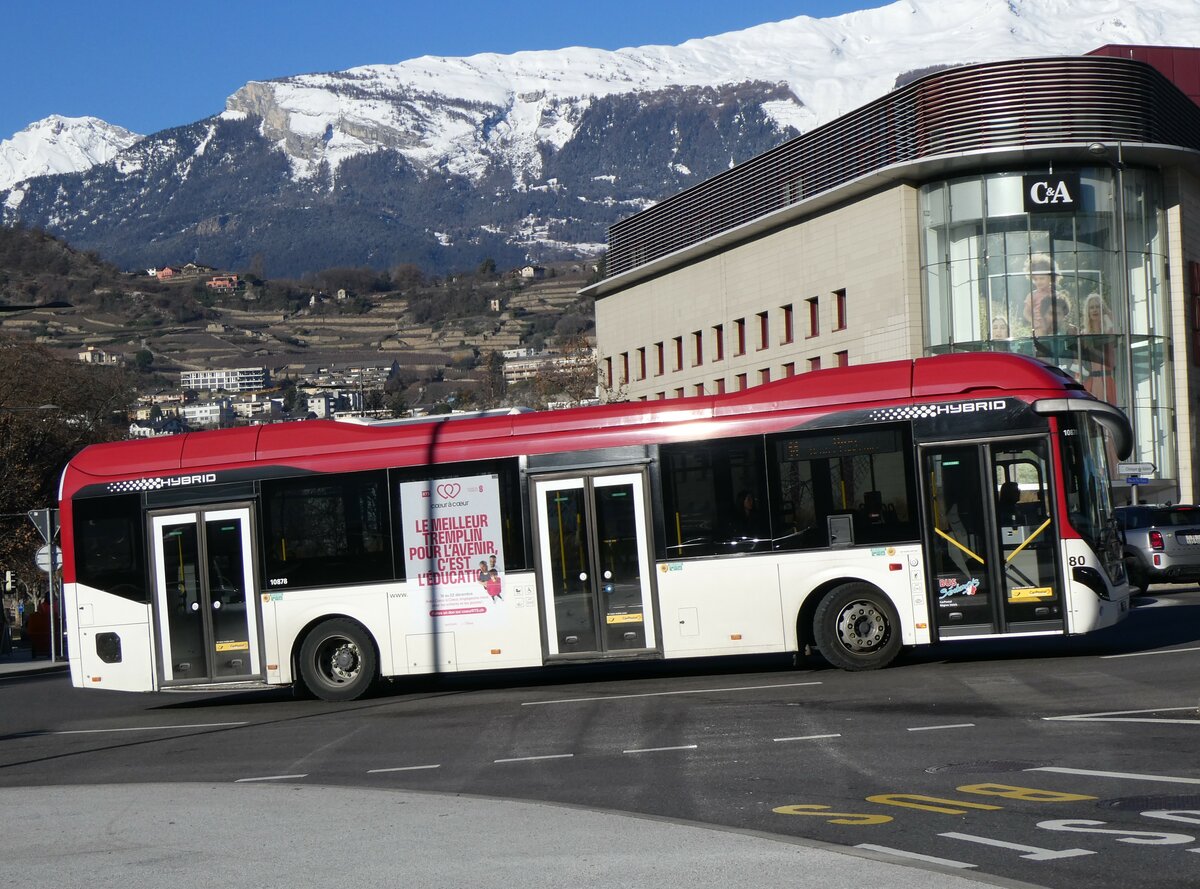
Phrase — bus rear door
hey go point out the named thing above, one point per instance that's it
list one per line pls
(991, 539)
(206, 606)
(595, 571)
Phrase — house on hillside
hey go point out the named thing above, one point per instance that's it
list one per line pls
(222, 283)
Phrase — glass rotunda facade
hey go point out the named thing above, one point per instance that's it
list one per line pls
(1084, 288)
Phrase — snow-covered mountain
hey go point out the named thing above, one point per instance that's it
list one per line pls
(463, 115)
(442, 161)
(60, 145)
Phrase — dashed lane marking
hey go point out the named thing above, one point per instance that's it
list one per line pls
(809, 738)
(1111, 657)
(660, 749)
(270, 778)
(148, 728)
(659, 694)
(536, 758)
(1129, 776)
(938, 728)
(1130, 716)
(404, 769)
(915, 856)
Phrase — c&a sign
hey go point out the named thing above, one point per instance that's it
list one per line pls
(1047, 193)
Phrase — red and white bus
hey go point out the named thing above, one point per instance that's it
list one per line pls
(855, 510)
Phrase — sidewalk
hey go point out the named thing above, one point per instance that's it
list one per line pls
(20, 661)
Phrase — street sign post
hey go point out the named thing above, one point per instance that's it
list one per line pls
(46, 521)
(1135, 469)
(1136, 480)
(49, 558)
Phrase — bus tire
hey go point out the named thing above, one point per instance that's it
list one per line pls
(337, 660)
(856, 628)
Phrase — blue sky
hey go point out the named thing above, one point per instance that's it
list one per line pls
(148, 65)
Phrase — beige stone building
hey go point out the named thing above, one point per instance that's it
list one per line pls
(1044, 206)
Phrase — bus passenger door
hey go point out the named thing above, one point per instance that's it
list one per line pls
(595, 573)
(206, 607)
(990, 538)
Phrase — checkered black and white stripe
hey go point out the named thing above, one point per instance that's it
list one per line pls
(904, 412)
(137, 484)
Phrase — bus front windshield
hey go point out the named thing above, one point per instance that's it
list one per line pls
(1086, 474)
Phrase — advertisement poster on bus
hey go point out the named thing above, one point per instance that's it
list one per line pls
(453, 550)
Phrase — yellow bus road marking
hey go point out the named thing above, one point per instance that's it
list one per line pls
(658, 694)
(1129, 776)
(915, 856)
(403, 769)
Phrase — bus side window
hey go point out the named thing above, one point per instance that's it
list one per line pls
(865, 474)
(714, 498)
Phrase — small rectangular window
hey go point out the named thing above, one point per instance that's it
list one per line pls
(842, 359)
(814, 363)
(741, 383)
(814, 316)
(660, 360)
(608, 373)
(326, 530)
(678, 353)
(641, 363)
(699, 389)
(788, 332)
(697, 348)
(679, 392)
(789, 369)
(764, 375)
(764, 331)
(719, 386)
(839, 301)
(624, 368)
(714, 496)
(739, 336)
(719, 342)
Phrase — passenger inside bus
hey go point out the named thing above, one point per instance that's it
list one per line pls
(1006, 504)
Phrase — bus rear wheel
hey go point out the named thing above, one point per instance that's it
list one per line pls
(337, 661)
(856, 628)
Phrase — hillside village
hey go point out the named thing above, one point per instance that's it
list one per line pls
(214, 348)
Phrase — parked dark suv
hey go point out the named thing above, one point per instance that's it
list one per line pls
(1162, 544)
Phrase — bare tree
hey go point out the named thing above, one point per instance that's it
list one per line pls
(50, 409)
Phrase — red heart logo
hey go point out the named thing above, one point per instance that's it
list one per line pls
(448, 491)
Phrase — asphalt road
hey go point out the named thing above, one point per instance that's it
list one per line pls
(1056, 763)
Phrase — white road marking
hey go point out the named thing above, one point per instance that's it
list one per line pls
(1128, 716)
(657, 694)
(147, 728)
(809, 738)
(269, 778)
(900, 853)
(403, 769)
(1034, 853)
(1163, 779)
(660, 749)
(1110, 657)
(937, 728)
(536, 758)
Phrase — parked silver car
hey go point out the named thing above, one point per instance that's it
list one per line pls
(1161, 543)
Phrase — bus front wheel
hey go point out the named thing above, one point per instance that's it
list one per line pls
(337, 661)
(856, 628)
